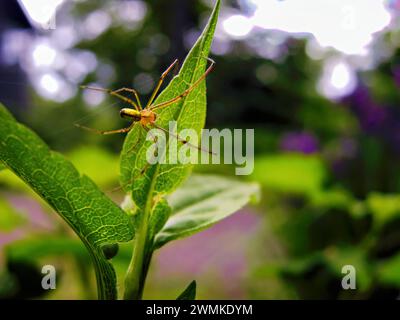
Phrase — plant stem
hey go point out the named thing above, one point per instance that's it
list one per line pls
(138, 267)
(134, 278)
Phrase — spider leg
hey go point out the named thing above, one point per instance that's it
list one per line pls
(184, 141)
(160, 82)
(140, 173)
(106, 132)
(133, 91)
(187, 91)
(115, 94)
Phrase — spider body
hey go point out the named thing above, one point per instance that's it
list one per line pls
(146, 116)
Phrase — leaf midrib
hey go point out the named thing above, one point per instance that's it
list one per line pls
(182, 104)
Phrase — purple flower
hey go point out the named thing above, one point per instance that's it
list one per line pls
(372, 116)
(396, 75)
(381, 121)
(299, 141)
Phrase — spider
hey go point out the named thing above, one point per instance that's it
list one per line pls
(147, 116)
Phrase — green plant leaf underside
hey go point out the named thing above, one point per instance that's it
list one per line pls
(94, 217)
(201, 202)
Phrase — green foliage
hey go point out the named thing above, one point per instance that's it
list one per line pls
(322, 268)
(384, 208)
(93, 216)
(33, 248)
(336, 258)
(32, 251)
(339, 206)
(290, 173)
(201, 202)
(150, 215)
(388, 271)
(189, 293)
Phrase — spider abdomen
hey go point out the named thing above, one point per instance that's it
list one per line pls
(130, 114)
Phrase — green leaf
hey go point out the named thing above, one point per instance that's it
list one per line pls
(388, 271)
(159, 216)
(384, 207)
(9, 217)
(189, 293)
(303, 174)
(337, 258)
(190, 113)
(39, 246)
(201, 202)
(94, 217)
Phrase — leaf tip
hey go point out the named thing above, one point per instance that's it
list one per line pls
(189, 293)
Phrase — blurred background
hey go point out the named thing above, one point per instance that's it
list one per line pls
(317, 80)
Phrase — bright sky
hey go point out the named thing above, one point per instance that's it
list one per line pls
(40, 11)
(346, 25)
